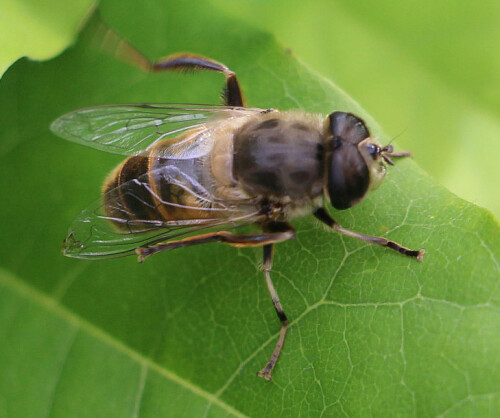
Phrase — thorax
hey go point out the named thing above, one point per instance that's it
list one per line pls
(280, 156)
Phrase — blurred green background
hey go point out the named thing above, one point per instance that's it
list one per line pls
(429, 72)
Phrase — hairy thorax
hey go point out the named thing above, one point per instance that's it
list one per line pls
(279, 157)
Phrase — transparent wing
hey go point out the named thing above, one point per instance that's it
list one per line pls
(129, 129)
(132, 215)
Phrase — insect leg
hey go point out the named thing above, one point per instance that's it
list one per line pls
(251, 240)
(274, 232)
(325, 217)
(266, 268)
(110, 41)
(192, 62)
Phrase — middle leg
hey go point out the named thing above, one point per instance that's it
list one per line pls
(273, 233)
(266, 268)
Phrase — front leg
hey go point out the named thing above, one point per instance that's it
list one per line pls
(325, 217)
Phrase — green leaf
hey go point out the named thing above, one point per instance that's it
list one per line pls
(39, 30)
(371, 332)
(68, 377)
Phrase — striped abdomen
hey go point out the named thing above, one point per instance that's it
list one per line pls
(140, 193)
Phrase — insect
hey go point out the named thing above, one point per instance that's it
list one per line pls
(194, 173)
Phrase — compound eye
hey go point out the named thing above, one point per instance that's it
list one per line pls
(374, 151)
(348, 176)
(346, 127)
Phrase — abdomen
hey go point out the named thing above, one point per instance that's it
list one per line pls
(143, 192)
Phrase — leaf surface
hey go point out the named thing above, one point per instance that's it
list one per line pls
(185, 333)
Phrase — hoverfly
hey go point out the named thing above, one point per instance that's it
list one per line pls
(194, 173)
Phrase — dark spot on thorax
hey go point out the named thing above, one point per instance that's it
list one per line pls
(301, 176)
(300, 126)
(268, 124)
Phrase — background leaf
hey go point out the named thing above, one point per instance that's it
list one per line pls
(38, 29)
(185, 333)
